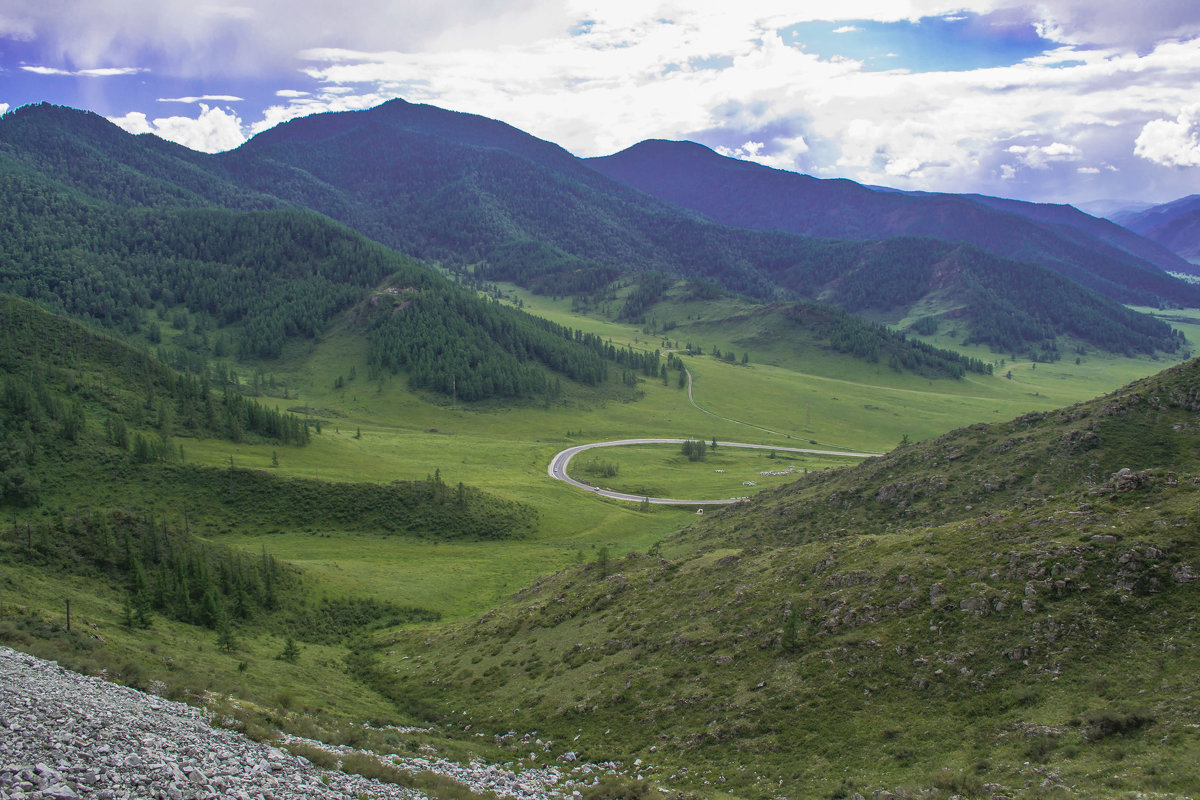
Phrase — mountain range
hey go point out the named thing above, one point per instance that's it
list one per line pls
(1175, 225)
(1094, 252)
(465, 190)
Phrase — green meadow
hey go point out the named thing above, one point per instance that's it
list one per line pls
(792, 392)
(662, 470)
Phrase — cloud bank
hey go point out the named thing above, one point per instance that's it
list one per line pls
(1106, 109)
(1172, 143)
(213, 131)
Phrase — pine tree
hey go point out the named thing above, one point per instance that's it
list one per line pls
(788, 640)
(291, 652)
(226, 640)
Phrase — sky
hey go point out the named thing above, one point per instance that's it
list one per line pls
(1054, 101)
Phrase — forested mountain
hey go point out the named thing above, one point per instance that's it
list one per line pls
(1093, 252)
(264, 278)
(97, 159)
(473, 191)
(65, 388)
(1175, 225)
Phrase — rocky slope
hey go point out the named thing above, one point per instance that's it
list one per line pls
(65, 735)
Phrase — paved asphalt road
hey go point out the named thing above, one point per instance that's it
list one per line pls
(558, 468)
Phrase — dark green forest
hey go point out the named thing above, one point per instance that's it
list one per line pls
(84, 409)
(63, 385)
(878, 344)
(264, 279)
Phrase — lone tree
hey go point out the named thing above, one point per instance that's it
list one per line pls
(291, 652)
(602, 563)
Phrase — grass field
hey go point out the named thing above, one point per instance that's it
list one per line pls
(808, 396)
(792, 392)
(663, 471)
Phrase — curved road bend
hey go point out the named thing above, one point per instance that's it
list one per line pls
(558, 468)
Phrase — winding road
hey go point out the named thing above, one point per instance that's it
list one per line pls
(558, 469)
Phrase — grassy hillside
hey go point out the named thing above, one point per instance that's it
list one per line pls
(1003, 606)
(374, 431)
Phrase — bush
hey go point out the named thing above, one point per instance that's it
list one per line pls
(615, 787)
(1100, 724)
(317, 755)
(958, 783)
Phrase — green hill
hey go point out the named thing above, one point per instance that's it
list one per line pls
(255, 281)
(107, 508)
(92, 423)
(1005, 603)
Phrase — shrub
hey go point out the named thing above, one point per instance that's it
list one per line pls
(1099, 724)
(615, 787)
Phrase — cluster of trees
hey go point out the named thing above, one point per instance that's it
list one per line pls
(162, 568)
(278, 274)
(925, 326)
(460, 345)
(545, 269)
(647, 291)
(456, 343)
(874, 343)
(54, 374)
(429, 507)
(1027, 308)
(695, 449)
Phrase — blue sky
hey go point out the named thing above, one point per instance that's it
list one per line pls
(1059, 100)
(951, 43)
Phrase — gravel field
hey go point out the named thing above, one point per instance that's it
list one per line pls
(65, 735)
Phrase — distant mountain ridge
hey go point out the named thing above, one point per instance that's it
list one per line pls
(472, 192)
(1175, 225)
(1095, 252)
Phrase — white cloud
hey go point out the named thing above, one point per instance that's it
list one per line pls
(194, 39)
(214, 130)
(317, 104)
(1172, 143)
(1042, 156)
(1128, 26)
(718, 73)
(3, 108)
(1088, 170)
(847, 29)
(100, 72)
(134, 122)
(211, 98)
(747, 151)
